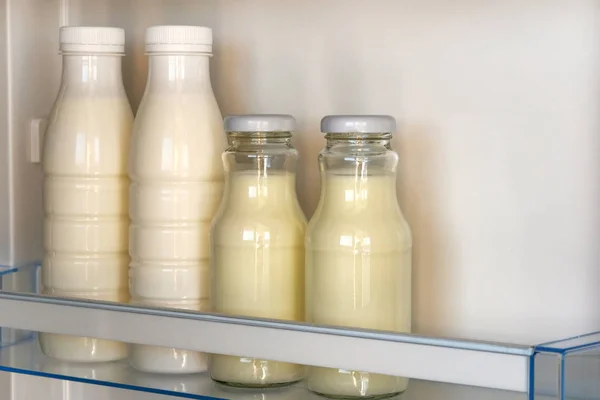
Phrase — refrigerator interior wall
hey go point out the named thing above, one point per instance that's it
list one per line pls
(498, 108)
(5, 241)
(29, 77)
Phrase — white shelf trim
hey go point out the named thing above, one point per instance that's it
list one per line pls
(444, 360)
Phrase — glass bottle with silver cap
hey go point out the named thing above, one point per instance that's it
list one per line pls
(358, 248)
(257, 241)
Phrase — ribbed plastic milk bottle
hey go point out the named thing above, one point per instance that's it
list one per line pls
(358, 248)
(176, 185)
(86, 185)
(257, 241)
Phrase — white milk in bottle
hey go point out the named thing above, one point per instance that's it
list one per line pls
(257, 242)
(176, 185)
(358, 248)
(86, 185)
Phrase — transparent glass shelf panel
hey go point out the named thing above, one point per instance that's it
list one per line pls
(568, 369)
(484, 364)
(22, 279)
(26, 358)
(565, 369)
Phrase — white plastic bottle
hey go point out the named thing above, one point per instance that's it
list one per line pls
(86, 185)
(257, 242)
(358, 248)
(176, 185)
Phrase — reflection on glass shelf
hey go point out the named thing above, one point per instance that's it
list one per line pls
(26, 358)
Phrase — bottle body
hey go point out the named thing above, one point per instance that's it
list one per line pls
(166, 360)
(86, 196)
(358, 270)
(176, 187)
(258, 255)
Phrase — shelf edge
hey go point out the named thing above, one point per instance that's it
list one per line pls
(443, 360)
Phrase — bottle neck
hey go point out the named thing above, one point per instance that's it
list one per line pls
(179, 73)
(260, 152)
(358, 173)
(92, 71)
(259, 140)
(255, 189)
(349, 191)
(354, 140)
(261, 169)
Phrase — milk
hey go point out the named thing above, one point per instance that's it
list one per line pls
(258, 267)
(172, 361)
(84, 349)
(358, 273)
(85, 197)
(176, 187)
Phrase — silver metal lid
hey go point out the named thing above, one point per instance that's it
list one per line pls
(358, 124)
(260, 123)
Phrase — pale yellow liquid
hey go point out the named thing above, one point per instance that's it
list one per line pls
(258, 268)
(358, 273)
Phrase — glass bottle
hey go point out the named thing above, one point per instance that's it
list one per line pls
(257, 241)
(176, 185)
(358, 248)
(86, 186)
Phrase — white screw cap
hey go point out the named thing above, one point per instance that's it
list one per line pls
(358, 124)
(88, 39)
(179, 39)
(260, 123)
